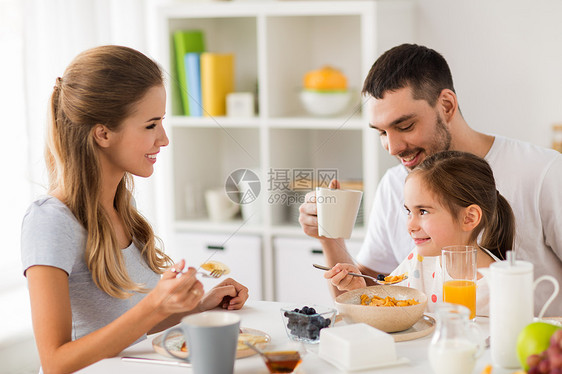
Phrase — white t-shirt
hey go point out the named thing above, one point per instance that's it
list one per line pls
(528, 176)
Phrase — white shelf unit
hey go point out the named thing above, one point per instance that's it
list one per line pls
(275, 43)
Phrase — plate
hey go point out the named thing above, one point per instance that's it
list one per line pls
(175, 341)
(423, 327)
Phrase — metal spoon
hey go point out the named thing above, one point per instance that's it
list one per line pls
(256, 349)
(362, 276)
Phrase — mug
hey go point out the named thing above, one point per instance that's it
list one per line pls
(337, 211)
(211, 339)
(219, 205)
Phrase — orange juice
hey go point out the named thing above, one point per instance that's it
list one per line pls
(461, 292)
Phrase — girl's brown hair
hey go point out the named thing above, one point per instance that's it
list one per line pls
(460, 179)
(100, 86)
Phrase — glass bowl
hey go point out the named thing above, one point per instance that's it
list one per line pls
(304, 323)
(283, 357)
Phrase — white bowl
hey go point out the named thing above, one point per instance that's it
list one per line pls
(325, 103)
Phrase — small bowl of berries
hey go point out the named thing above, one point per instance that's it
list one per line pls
(304, 324)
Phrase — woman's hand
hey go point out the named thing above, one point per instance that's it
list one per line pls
(177, 292)
(340, 278)
(228, 294)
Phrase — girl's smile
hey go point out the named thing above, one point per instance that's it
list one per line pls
(430, 224)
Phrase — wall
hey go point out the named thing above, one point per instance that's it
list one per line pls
(506, 60)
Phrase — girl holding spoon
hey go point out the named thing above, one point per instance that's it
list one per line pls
(451, 199)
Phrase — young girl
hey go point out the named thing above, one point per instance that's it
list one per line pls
(450, 199)
(96, 277)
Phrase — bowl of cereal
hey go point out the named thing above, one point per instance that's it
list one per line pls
(387, 308)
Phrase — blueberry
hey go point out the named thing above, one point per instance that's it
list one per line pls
(310, 328)
(327, 322)
(315, 321)
(380, 277)
(311, 311)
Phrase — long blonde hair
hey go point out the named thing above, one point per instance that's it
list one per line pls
(100, 86)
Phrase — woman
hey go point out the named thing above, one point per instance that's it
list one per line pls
(96, 277)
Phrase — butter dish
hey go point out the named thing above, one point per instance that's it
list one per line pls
(358, 346)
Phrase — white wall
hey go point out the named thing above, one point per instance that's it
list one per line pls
(506, 60)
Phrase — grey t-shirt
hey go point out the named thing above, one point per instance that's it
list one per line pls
(52, 236)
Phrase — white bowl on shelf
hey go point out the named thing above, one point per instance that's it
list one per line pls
(325, 103)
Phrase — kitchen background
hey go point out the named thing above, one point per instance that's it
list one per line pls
(505, 57)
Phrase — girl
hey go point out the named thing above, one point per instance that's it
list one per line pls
(97, 279)
(450, 199)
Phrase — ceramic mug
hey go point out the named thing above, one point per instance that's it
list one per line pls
(212, 339)
(219, 205)
(337, 211)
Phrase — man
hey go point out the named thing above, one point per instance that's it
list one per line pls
(413, 106)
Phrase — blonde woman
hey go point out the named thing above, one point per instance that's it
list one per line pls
(98, 282)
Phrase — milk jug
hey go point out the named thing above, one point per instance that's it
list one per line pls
(511, 306)
(456, 343)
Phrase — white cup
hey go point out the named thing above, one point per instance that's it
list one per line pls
(337, 211)
(219, 205)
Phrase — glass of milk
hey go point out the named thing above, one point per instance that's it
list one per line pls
(456, 343)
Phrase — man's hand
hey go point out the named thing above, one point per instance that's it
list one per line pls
(308, 218)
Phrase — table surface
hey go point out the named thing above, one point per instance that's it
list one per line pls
(265, 316)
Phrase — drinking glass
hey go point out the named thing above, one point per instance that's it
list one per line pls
(459, 276)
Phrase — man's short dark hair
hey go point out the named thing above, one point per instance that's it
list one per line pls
(419, 67)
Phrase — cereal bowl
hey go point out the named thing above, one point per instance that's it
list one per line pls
(304, 323)
(385, 318)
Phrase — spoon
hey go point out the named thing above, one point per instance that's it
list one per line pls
(377, 281)
(256, 349)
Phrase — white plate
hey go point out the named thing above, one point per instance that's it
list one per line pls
(423, 327)
(175, 341)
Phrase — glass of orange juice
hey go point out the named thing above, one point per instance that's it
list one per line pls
(459, 276)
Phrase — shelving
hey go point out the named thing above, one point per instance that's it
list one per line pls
(275, 43)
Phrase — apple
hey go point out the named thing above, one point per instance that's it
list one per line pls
(533, 340)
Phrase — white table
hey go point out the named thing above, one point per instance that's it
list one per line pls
(265, 316)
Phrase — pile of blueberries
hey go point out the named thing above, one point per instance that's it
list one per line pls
(305, 323)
